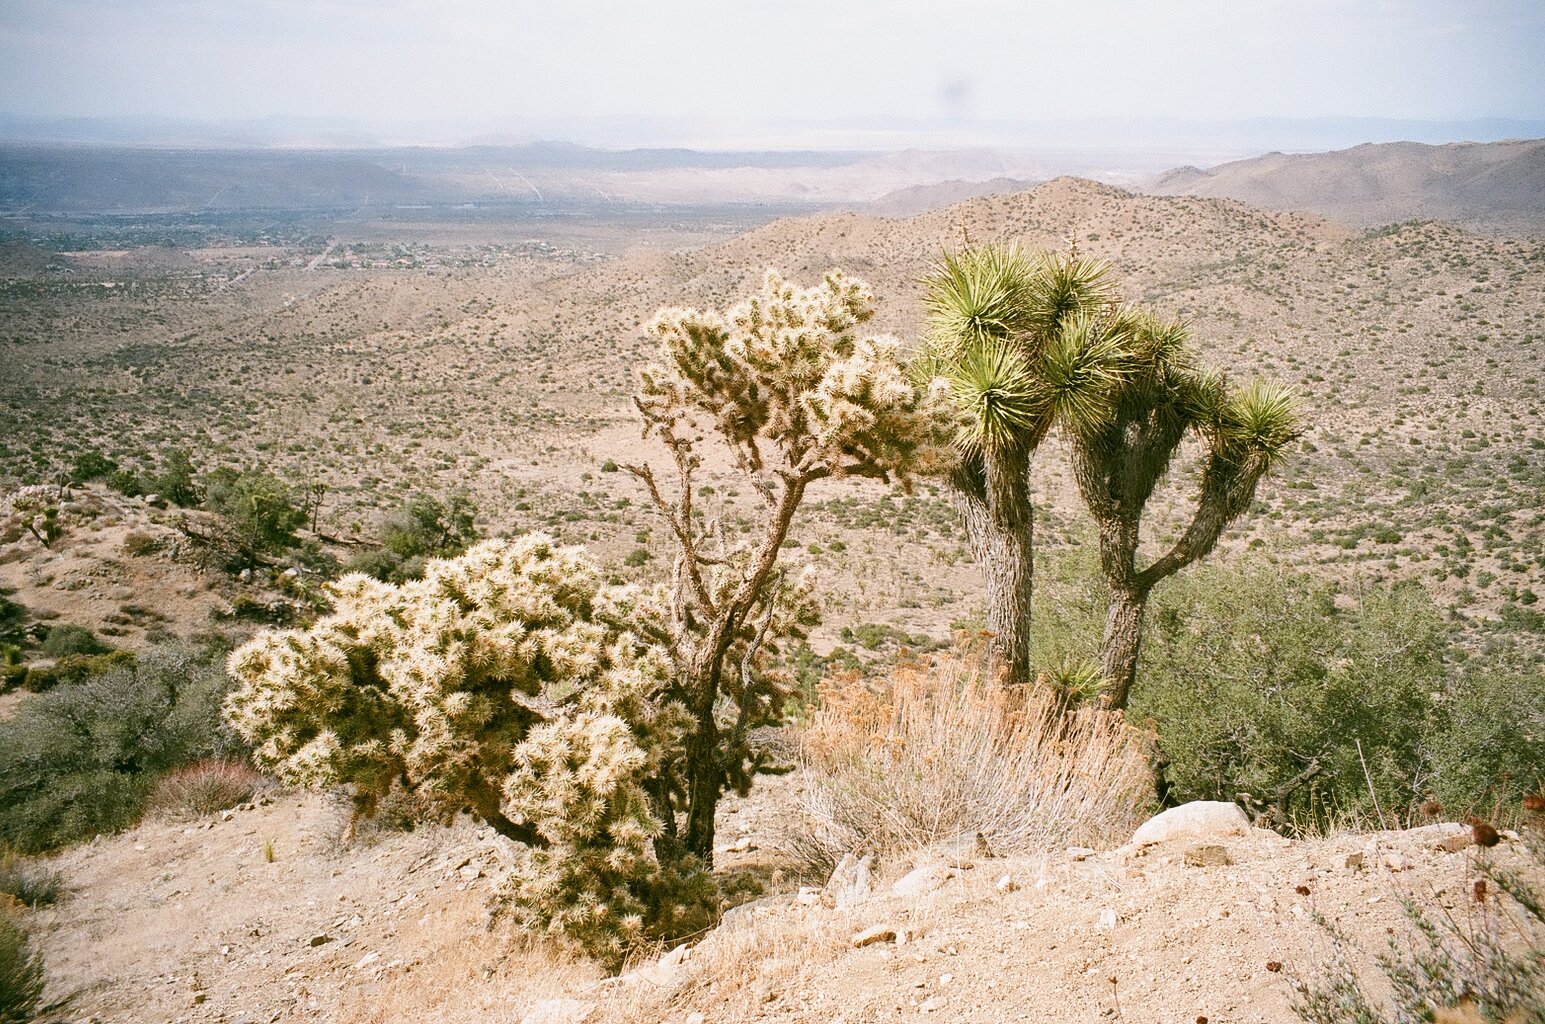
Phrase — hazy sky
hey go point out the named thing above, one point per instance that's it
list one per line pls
(758, 61)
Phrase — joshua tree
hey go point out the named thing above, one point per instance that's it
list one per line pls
(786, 383)
(1029, 343)
(1009, 333)
(1120, 456)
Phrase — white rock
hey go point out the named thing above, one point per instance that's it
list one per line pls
(1080, 853)
(852, 881)
(1007, 884)
(922, 880)
(559, 1011)
(1107, 920)
(1207, 818)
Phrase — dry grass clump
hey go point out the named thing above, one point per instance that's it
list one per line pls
(30, 884)
(204, 787)
(940, 750)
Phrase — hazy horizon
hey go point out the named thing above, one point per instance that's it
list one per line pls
(1191, 75)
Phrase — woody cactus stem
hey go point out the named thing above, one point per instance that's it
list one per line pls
(787, 384)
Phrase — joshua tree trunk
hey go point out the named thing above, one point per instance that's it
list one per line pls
(993, 495)
(1123, 638)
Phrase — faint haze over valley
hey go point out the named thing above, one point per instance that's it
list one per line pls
(1191, 81)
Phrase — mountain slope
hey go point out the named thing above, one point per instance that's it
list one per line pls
(1494, 186)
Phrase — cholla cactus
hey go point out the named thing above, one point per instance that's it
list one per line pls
(508, 682)
(789, 385)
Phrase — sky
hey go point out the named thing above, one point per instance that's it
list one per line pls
(406, 66)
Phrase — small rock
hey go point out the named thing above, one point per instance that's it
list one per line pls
(851, 881)
(559, 1011)
(367, 960)
(1199, 818)
(1080, 853)
(1007, 884)
(695, 1018)
(874, 933)
(1396, 861)
(319, 939)
(931, 1004)
(1354, 861)
(1208, 855)
(1454, 843)
(925, 879)
(1107, 920)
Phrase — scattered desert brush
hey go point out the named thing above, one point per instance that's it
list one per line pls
(941, 749)
(21, 969)
(1483, 963)
(204, 787)
(30, 884)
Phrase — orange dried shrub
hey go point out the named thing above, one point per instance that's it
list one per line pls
(940, 750)
(204, 787)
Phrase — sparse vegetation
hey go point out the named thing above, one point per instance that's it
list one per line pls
(82, 758)
(21, 971)
(941, 750)
(204, 787)
(1482, 965)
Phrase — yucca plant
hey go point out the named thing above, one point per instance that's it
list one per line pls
(1119, 461)
(1033, 342)
(1015, 336)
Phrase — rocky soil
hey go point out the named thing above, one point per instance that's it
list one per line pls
(272, 912)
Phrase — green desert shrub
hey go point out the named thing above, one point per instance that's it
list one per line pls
(511, 683)
(21, 971)
(258, 515)
(82, 758)
(1283, 692)
(425, 527)
(67, 639)
(72, 668)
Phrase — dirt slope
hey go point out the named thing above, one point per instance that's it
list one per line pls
(192, 922)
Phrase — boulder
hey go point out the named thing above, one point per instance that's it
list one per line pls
(1200, 819)
(560, 1011)
(850, 882)
(923, 880)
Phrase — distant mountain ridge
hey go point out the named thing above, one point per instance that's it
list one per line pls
(1496, 186)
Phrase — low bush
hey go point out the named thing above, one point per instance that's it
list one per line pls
(72, 668)
(424, 527)
(82, 758)
(66, 640)
(939, 750)
(30, 884)
(204, 787)
(21, 970)
(1309, 704)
